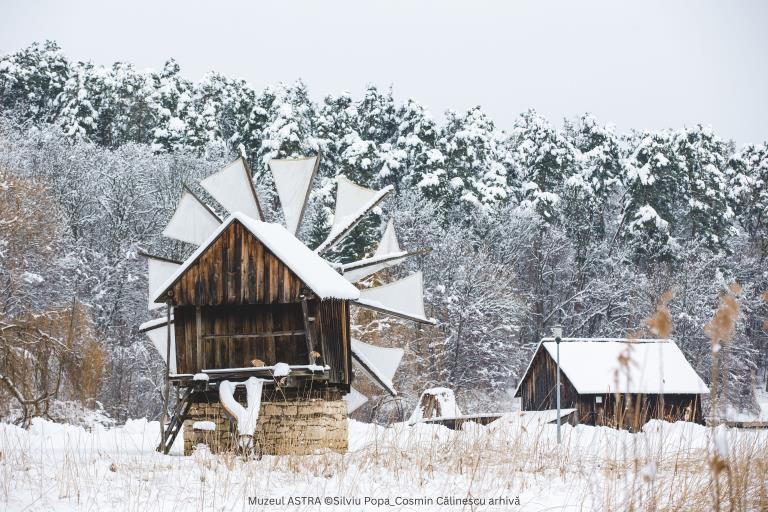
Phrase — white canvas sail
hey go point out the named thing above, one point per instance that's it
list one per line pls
(158, 273)
(158, 335)
(233, 188)
(293, 180)
(402, 298)
(380, 363)
(192, 222)
(352, 203)
(387, 254)
(354, 399)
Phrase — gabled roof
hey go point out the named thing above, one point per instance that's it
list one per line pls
(656, 366)
(313, 270)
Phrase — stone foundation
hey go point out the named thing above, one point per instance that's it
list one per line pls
(284, 428)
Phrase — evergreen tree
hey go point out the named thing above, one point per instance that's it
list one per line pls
(707, 215)
(543, 158)
(32, 78)
(653, 174)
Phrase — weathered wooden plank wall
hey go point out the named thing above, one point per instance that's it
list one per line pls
(236, 269)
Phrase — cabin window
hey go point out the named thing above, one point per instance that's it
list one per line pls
(598, 399)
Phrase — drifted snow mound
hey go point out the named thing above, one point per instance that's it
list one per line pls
(247, 418)
(435, 403)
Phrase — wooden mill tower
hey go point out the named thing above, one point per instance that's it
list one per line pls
(256, 328)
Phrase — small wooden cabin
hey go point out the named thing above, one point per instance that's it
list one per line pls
(613, 382)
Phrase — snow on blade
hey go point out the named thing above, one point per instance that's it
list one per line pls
(157, 334)
(158, 272)
(293, 179)
(380, 363)
(354, 399)
(311, 269)
(192, 222)
(388, 250)
(352, 203)
(247, 418)
(656, 367)
(233, 188)
(403, 298)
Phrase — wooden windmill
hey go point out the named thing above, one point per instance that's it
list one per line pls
(254, 302)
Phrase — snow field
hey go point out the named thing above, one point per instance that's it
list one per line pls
(61, 467)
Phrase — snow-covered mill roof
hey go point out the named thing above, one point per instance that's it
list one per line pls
(313, 270)
(655, 366)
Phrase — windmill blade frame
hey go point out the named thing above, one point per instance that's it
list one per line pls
(379, 263)
(154, 329)
(179, 227)
(159, 269)
(384, 299)
(285, 180)
(226, 187)
(340, 230)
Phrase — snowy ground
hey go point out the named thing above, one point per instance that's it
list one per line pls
(62, 467)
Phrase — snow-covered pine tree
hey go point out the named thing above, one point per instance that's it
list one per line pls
(474, 177)
(707, 216)
(652, 178)
(596, 178)
(748, 191)
(543, 158)
(413, 153)
(31, 79)
(172, 110)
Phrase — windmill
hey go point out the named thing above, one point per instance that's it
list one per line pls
(232, 187)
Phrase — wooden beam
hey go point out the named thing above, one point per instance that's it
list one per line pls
(147, 255)
(398, 314)
(308, 337)
(254, 335)
(199, 337)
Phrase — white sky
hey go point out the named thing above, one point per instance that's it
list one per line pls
(653, 64)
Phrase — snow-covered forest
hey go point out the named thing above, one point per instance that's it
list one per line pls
(532, 223)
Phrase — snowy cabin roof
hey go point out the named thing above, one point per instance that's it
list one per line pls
(310, 268)
(656, 366)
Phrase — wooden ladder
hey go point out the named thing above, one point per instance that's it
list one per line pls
(176, 422)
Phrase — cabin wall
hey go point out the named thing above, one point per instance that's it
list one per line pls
(632, 411)
(332, 328)
(232, 336)
(236, 269)
(539, 387)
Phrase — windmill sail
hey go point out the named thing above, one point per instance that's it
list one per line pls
(159, 270)
(293, 181)
(387, 254)
(352, 203)
(354, 400)
(158, 335)
(379, 363)
(402, 298)
(192, 222)
(233, 188)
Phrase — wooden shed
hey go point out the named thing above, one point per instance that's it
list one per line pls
(614, 381)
